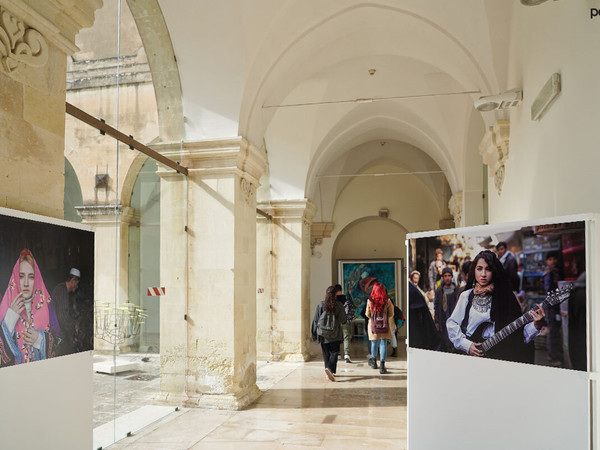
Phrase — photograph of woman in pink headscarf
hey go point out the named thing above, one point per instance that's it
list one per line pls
(28, 324)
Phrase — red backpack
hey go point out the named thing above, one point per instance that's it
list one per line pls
(379, 322)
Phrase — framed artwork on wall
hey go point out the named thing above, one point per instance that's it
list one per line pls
(358, 276)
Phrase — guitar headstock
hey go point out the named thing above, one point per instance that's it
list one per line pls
(559, 295)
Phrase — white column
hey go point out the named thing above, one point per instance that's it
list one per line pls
(289, 299)
(220, 344)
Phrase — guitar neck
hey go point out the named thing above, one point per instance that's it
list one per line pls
(506, 331)
(553, 298)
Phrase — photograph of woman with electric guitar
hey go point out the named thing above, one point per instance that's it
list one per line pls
(488, 306)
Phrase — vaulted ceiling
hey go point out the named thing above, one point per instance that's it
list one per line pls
(293, 76)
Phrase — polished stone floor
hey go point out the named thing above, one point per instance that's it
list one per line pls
(299, 408)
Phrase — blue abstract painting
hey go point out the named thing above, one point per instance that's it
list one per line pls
(358, 276)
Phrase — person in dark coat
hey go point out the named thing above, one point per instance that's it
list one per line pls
(421, 329)
(347, 327)
(63, 296)
(577, 325)
(446, 297)
(330, 346)
(509, 262)
(554, 340)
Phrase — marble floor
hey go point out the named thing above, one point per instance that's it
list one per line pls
(299, 408)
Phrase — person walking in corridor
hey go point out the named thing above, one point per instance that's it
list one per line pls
(326, 328)
(380, 312)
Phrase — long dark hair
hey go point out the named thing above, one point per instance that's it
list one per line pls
(502, 290)
(330, 302)
(499, 277)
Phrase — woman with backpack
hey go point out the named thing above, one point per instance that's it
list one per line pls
(380, 312)
(327, 328)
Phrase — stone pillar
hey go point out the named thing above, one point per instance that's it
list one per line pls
(111, 247)
(264, 277)
(219, 351)
(289, 279)
(174, 278)
(35, 39)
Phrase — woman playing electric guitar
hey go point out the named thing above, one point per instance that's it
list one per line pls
(487, 306)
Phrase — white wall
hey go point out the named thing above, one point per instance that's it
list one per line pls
(412, 207)
(553, 163)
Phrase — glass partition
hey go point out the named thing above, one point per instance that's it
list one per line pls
(137, 208)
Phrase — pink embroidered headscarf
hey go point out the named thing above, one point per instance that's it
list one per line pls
(40, 304)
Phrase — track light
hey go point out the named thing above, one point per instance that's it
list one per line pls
(500, 101)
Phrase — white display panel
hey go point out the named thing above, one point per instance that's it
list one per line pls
(48, 404)
(456, 402)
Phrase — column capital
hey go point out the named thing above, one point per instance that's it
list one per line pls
(319, 231)
(290, 209)
(34, 24)
(106, 214)
(211, 158)
(494, 150)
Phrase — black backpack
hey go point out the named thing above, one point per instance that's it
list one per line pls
(327, 325)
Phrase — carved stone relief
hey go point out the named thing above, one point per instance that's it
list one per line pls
(455, 205)
(320, 230)
(247, 189)
(20, 44)
(494, 150)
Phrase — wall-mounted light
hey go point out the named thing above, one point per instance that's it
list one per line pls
(546, 97)
(384, 212)
(500, 101)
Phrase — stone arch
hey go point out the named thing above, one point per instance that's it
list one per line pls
(72, 195)
(163, 66)
(394, 250)
(130, 178)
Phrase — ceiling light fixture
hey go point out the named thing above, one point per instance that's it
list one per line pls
(533, 2)
(372, 71)
(500, 101)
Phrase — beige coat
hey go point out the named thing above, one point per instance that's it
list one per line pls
(389, 309)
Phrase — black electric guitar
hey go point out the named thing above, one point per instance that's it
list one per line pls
(553, 298)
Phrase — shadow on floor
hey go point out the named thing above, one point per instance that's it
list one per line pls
(363, 397)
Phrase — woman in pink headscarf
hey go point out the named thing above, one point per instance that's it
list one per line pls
(28, 324)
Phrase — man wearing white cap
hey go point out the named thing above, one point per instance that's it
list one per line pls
(63, 303)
